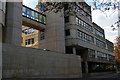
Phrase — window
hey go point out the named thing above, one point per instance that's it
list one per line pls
(91, 53)
(28, 31)
(98, 33)
(67, 32)
(66, 19)
(34, 15)
(101, 55)
(29, 13)
(83, 24)
(29, 41)
(80, 11)
(85, 36)
(24, 11)
(66, 7)
(42, 34)
(100, 43)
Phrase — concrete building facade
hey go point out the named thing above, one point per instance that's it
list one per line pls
(21, 62)
(75, 43)
(78, 35)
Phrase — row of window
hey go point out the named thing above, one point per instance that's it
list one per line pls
(34, 15)
(98, 33)
(83, 24)
(101, 55)
(29, 41)
(111, 58)
(110, 48)
(28, 31)
(100, 43)
(83, 13)
(85, 36)
(91, 53)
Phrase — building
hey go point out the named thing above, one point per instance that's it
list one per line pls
(29, 37)
(75, 33)
(69, 44)
(23, 62)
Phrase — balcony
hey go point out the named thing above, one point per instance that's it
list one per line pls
(33, 18)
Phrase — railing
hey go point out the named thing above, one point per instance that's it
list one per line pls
(34, 15)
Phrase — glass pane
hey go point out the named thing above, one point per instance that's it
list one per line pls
(44, 19)
(36, 16)
(28, 13)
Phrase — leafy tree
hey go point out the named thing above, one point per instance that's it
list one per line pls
(117, 48)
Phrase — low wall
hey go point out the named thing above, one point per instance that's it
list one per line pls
(22, 62)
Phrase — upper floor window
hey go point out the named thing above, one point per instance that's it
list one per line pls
(67, 32)
(100, 43)
(66, 19)
(101, 55)
(98, 33)
(85, 36)
(28, 31)
(83, 24)
(91, 53)
(83, 13)
(29, 41)
(34, 15)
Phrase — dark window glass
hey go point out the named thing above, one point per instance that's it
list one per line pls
(66, 7)
(42, 34)
(67, 32)
(67, 19)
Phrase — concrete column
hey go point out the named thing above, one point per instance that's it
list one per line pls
(12, 31)
(74, 50)
(54, 33)
(95, 54)
(108, 57)
(86, 67)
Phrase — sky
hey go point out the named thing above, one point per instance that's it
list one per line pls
(103, 19)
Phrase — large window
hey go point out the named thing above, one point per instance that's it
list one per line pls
(85, 36)
(101, 55)
(83, 24)
(83, 13)
(91, 53)
(67, 32)
(100, 43)
(27, 12)
(28, 31)
(98, 33)
(29, 41)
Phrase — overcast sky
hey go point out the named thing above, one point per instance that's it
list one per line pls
(103, 19)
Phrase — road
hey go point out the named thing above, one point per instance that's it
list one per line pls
(115, 76)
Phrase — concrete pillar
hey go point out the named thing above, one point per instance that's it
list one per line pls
(74, 50)
(12, 31)
(54, 33)
(86, 67)
(95, 54)
(108, 57)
